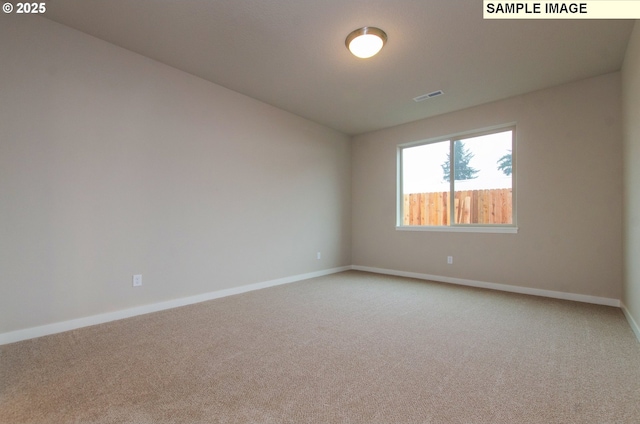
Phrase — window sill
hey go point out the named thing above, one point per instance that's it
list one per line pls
(459, 229)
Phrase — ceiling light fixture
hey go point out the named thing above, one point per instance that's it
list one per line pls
(366, 42)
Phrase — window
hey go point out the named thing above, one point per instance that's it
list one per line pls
(474, 192)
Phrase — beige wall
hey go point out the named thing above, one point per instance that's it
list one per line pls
(631, 110)
(112, 164)
(569, 188)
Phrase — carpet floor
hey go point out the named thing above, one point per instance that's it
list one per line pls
(352, 347)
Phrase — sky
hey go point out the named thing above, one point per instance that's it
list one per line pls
(422, 171)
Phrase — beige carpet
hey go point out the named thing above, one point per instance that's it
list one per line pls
(346, 348)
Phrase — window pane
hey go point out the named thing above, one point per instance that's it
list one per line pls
(425, 192)
(483, 179)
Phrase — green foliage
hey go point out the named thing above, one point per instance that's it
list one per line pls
(461, 167)
(504, 164)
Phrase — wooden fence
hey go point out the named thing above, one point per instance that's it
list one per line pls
(471, 207)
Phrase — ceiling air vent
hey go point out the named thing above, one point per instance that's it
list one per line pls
(428, 96)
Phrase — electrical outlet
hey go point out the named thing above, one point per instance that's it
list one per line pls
(319, 256)
(137, 280)
(449, 260)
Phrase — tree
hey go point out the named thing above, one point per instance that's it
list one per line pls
(504, 164)
(461, 167)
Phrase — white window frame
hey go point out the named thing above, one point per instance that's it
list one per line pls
(453, 227)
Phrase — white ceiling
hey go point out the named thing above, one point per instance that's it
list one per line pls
(291, 53)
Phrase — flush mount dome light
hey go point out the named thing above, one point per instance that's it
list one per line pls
(366, 42)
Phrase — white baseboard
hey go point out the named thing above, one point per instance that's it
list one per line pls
(494, 286)
(632, 322)
(59, 327)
